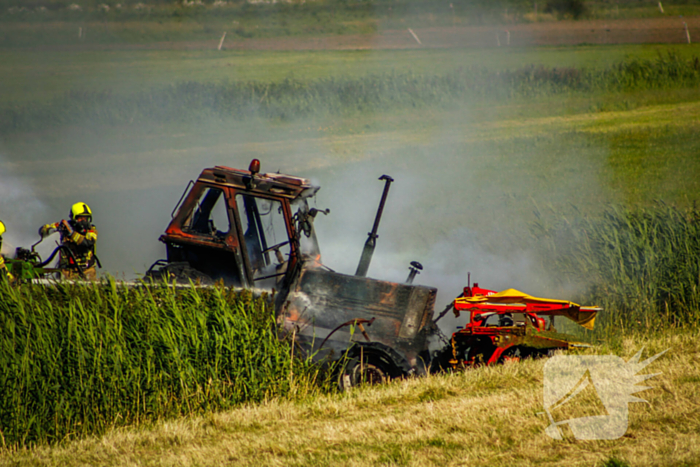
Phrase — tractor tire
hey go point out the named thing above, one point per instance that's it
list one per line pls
(368, 369)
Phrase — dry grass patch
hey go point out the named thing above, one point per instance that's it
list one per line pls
(487, 416)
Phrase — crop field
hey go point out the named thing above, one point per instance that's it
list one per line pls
(570, 171)
(44, 75)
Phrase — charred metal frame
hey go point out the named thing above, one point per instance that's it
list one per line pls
(181, 242)
(321, 308)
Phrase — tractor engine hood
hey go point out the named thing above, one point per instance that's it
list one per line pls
(397, 316)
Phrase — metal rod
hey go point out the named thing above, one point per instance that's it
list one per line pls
(371, 242)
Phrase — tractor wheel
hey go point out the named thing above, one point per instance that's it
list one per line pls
(369, 369)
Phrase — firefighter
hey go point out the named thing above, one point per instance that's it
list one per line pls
(4, 273)
(78, 236)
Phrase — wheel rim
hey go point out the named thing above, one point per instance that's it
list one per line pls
(369, 374)
(362, 373)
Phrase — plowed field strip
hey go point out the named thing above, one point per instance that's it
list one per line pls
(664, 30)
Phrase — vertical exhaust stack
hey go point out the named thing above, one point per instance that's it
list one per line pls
(415, 269)
(371, 242)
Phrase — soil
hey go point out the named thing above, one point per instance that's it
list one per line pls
(664, 30)
(639, 31)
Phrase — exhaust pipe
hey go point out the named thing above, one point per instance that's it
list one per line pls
(415, 268)
(371, 242)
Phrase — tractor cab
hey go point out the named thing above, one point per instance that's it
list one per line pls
(242, 227)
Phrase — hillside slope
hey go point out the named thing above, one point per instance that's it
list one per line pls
(488, 416)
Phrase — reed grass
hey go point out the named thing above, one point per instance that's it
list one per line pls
(292, 99)
(78, 359)
(642, 265)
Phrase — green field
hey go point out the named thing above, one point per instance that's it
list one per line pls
(41, 75)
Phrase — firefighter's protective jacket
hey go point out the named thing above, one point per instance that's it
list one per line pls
(80, 242)
(4, 273)
(3, 268)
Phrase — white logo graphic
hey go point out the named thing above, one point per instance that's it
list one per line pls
(607, 379)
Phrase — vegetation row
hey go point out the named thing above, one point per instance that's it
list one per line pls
(641, 265)
(78, 359)
(292, 99)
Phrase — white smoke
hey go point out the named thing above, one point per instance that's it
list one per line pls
(408, 233)
(20, 209)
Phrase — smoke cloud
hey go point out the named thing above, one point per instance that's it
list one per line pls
(20, 208)
(455, 207)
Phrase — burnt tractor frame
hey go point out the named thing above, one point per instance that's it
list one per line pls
(255, 231)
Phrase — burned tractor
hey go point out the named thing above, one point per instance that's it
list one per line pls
(256, 230)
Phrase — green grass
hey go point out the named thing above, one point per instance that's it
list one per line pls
(79, 359)
(641, 264)
(489, 416)
(293, 99)
(34, 75)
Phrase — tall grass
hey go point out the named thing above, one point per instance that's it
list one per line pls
(292, 99)
(641, 264)
(77, 359)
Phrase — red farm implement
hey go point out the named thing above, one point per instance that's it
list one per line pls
(511, 325)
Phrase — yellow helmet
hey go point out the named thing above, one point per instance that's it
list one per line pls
(80, 209)
(2, 228)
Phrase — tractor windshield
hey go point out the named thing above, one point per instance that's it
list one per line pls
(265, 237)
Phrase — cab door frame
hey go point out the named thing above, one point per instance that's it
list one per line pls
(291, 233)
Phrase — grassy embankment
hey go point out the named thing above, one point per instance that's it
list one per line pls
(79, 360)
(488, 416)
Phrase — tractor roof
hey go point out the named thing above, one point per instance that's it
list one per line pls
(266, 183)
